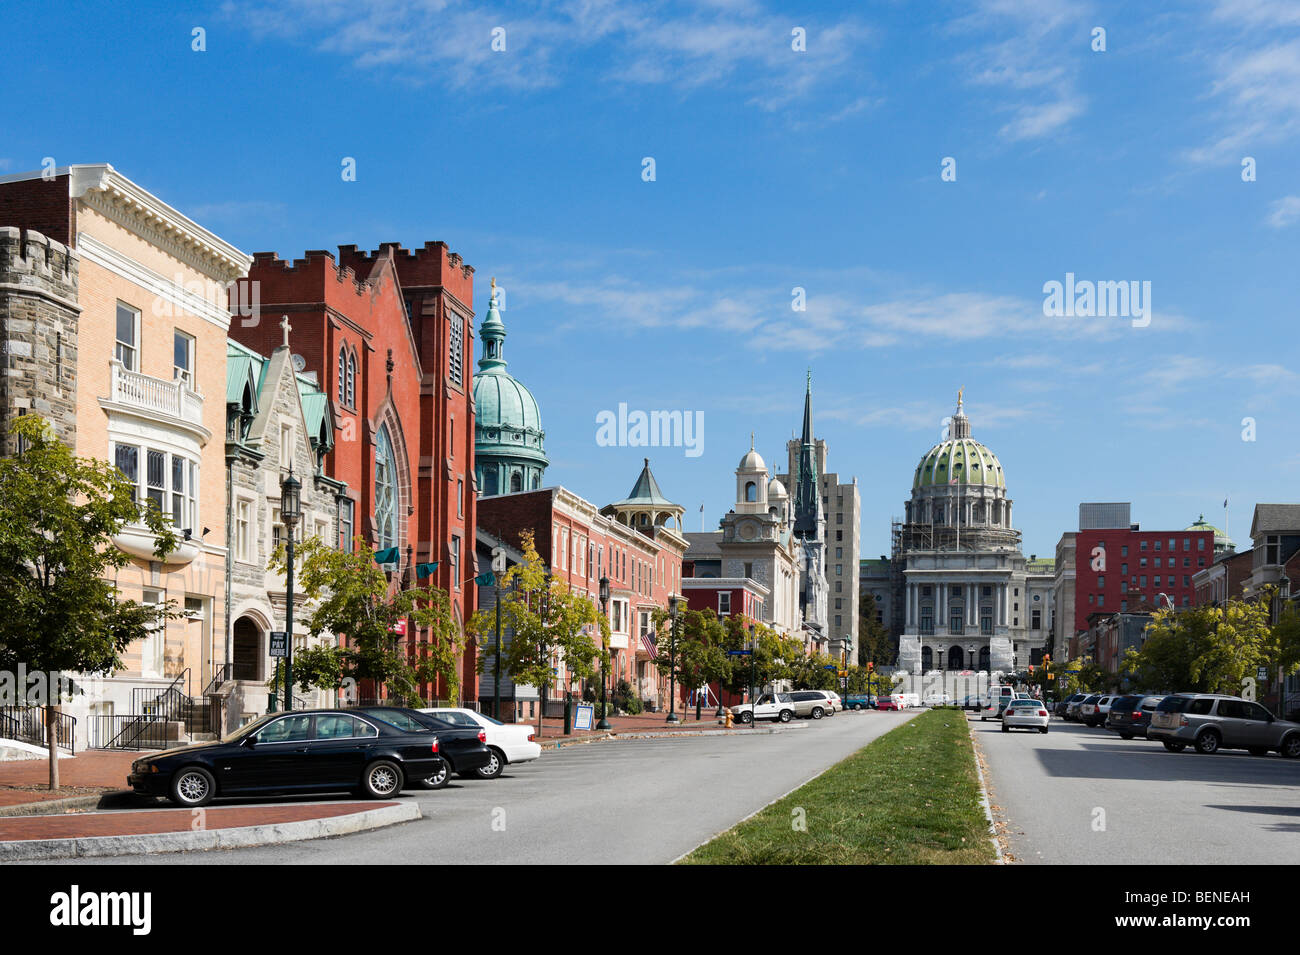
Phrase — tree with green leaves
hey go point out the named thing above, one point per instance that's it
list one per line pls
(552, 625)
(874, 642)
(350, 596)
(812, 673)
(1209, 649)
(773, 659)
(700, 656)
(58, 516)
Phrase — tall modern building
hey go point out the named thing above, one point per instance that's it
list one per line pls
(509, 443)
(826, 516)
(972, 602)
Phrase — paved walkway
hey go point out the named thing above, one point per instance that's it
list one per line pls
(95, 771)
(148, 821)
(553, 729)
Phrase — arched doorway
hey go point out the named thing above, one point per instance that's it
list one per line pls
(247, 651)
(956, 658)
(927, 659)
(984, 658)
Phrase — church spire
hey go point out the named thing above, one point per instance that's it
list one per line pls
(807, 497)
(493, 333)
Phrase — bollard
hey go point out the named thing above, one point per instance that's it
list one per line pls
(568, 714)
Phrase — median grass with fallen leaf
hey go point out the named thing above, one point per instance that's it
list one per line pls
(911, 797)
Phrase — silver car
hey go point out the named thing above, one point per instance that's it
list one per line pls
(1210, 722)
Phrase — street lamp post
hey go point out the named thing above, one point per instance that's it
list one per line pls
(290, 513)
(604, 665)
(672, 658)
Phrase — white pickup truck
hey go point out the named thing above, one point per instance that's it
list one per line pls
(770, 706)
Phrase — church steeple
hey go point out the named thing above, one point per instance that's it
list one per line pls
(807, 494)
(493, 333)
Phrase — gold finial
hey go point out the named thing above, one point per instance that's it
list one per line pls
(959, 391)
(494, 282)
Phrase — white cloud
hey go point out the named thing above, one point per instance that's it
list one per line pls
(1284, 212)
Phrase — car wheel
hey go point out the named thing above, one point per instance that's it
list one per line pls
(1042, 729)
(1290, 748)
(193, 786)
(381, 779)
(1174, 747)
(817, 713)
(1207, 743)
(1006, 728)
(1125, 735)
(439, 779)
(1259, 751)
(746, 717)
(495, 767)
(786, 716)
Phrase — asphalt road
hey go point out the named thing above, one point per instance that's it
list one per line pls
(626, 801)
(1080, 795)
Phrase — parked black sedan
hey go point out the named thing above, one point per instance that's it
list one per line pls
(463, 749)
(300, 752)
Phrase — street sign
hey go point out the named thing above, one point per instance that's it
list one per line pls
(739, 653)
(1261, 674)
(279, 643)
(844, 683)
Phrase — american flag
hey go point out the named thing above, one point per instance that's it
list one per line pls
(650, 643)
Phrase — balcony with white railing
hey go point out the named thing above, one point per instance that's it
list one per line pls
(141, 392)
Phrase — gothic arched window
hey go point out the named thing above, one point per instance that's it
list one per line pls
(385, 491)
(343, 374)
(516, 481)
(352, 376)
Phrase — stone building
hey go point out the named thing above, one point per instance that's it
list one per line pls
(971, 599)
(277, 419)
(831, 539)
(138, 385)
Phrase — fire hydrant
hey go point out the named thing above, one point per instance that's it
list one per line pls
(726, 718)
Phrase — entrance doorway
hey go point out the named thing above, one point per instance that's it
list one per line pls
(247, 651)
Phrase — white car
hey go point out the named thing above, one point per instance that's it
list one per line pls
(910, 700)
(938, 699)
(507, 742)
(770, 706)
(1025, 714)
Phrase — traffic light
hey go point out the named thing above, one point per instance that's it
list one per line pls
(1047, 659)
(1031, 668)
(870, 666)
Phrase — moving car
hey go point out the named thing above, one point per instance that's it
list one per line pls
(910, 699)
(1025, 714)
(309, 751)
(507, 743)
(938, 699)
(994, 706)
(770, 706)
(1210, 722)
(1130, 716)
(464, 749)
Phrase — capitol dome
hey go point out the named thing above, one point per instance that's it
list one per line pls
(1222, 542)
(509, 443)
(960, 459)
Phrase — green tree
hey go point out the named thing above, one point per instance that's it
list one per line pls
(773, 660)
(58, 515)
(551, 624)
(700, 657)
(349, 595)
(1205, 649)
(874, 642)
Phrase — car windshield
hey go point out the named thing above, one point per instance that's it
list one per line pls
(403, 721)
(247, 728)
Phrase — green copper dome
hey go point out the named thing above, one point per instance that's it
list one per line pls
(962, 458)
(509, 443)
(1222, 541)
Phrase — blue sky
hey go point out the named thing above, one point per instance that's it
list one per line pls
(775, 169)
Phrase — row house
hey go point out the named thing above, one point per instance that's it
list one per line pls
(120, 310)
(636, 542)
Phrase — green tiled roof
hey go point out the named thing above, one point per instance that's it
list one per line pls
(964, 459)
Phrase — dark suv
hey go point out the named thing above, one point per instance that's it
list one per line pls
(1211, 722)
(1130, 716)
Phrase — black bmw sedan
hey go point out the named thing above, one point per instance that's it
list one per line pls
(463, 749)
(309, 751)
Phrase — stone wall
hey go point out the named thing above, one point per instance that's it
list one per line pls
(38, 332)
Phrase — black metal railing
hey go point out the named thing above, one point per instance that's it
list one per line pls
(28, 724)
(220, 675)
(170, 703)
(131, 731)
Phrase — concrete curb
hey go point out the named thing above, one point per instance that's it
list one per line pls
(31, 850)
(985, 801)
(112, 799)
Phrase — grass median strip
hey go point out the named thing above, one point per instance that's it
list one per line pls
(911, 797)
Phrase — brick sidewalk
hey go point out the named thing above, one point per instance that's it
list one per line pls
(26, 780)
(146, 822)
(641, 723)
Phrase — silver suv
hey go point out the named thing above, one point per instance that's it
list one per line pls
(1211, 722)
(814, 703)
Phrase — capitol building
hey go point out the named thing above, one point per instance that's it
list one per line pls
(973, 606)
